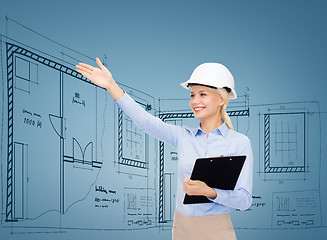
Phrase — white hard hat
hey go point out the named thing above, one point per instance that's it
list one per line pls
(213, 75)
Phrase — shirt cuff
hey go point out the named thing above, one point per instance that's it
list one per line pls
(123, 101)
(221, 196)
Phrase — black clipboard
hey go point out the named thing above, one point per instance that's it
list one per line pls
(216, 172)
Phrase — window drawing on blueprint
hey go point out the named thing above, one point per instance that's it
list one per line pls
(290, 150)
(134, 164)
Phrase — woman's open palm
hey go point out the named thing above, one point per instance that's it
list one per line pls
(99, 76)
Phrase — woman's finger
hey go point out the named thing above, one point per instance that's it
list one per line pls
(190, 182)
(83, 69)
(99, 63)
(185, 188)
(187, 180)
(87, 66)
(85, 74)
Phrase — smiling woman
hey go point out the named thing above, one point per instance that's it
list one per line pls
(211, 86)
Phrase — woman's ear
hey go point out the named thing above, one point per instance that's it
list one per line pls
(221, 100)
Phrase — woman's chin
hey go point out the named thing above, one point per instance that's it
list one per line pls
(198, 116)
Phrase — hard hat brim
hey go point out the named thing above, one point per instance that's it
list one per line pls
(186, 85)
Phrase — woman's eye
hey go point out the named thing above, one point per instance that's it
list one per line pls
(203, 94)
(192, 95)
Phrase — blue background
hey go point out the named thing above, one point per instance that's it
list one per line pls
(277, 49)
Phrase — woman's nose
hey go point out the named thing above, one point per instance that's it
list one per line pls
(195, 99)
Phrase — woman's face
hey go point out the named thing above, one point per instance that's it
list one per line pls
(205, 103)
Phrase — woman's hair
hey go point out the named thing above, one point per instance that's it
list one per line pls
(224, 116)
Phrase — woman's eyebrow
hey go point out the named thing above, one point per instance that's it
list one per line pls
(199, 91)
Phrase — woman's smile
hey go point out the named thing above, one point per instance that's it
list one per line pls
(198, 109)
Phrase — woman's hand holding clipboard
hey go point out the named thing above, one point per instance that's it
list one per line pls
(208, 173)
(198, 188)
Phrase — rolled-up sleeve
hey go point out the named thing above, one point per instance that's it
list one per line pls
(150, 124)
(241, 196)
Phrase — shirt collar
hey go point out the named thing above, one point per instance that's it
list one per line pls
(222, 130)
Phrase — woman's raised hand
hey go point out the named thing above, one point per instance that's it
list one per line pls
(99, 76)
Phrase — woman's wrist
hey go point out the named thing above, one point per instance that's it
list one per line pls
(115, 91)
(110, 84)
(211, 193)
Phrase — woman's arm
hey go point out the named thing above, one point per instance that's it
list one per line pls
(148, 123)
(153, 126)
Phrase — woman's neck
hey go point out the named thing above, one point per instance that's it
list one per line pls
(207, 125)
